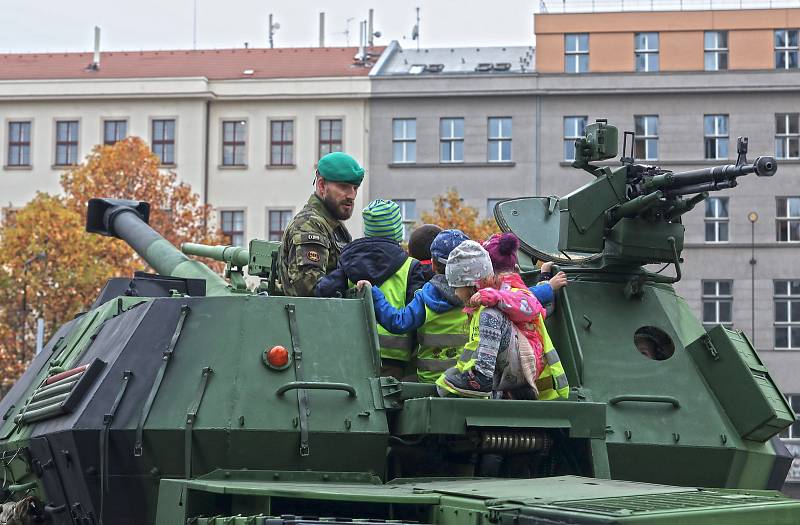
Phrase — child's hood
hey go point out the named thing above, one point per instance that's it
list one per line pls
(513, 280)
(440, 296)
(374, 259)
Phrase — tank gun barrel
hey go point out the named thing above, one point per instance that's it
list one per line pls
(128, 220)
(715, 177)
(235, 255)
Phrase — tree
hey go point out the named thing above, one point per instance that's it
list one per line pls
(449, 211)
(51, 268)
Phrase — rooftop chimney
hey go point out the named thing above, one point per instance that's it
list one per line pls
(322, 29)
(361, 56)
(96, 60)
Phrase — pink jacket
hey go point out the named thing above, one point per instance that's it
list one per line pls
(521, 307)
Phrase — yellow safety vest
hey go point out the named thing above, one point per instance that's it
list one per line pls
(441, 340)
(552, 381)
(394, 346)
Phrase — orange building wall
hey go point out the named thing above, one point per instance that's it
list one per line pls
(681, 50)
(610, 52)
(751, 49)
(550, 53)
(750, 37)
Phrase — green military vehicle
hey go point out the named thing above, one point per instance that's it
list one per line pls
(182, 397)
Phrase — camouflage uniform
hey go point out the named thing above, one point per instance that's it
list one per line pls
(310, 248)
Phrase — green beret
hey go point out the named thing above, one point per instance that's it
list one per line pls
(340, 167)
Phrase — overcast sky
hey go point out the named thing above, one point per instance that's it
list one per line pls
(67, 25)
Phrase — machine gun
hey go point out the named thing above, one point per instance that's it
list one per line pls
(631, 214)
(260, 260)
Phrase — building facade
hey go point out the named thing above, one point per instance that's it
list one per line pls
(243, 127)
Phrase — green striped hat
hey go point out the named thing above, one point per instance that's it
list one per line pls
(383, 219)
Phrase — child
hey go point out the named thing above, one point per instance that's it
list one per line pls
(491, 334)
(379, 258)
(436, 313)
(520, 305)
(419, 247)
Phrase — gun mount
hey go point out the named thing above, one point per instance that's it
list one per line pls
(629, 215)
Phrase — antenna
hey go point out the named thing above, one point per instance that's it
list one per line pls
(272, 28)
(347, 30)
(415, 31)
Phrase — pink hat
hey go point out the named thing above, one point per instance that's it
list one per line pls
(502, 248)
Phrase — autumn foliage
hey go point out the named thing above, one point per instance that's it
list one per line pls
(51, 268)
(449, 211)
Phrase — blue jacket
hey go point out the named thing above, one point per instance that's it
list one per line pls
(374, 259)
(436, 295)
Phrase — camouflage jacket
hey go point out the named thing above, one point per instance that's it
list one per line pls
(310, 248)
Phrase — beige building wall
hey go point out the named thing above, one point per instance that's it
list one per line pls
(254, 188)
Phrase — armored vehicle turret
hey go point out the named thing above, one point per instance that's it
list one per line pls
(183, 397)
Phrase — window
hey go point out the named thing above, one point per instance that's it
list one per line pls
(234, 146)
(715, 128)
(164, 141)
(408, 211)
(19, 144)
(114, 131)
(717, 303)
(646, 51)
(499, 139)
(451, 140)
(281, 148)
(715, 47)
(233, 226)
(787, 136)
(278, 221)
(576, 53)
(787, 217)
(404, 140)
(786, 49)
(787, 315)
(717, 219)
(66, 142)
(793, 432)
(573, 129)
(330, 136)
(490, 204)
(646, 127)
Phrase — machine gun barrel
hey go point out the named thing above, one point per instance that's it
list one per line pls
(128, 220)
(715, 178)
(235, 255)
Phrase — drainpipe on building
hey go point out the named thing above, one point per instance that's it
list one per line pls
(205, 166)
(537, 190)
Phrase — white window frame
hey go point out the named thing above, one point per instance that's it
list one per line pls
(792, 301)
(239, 143)
(716, 298)
(573, 56)
(496, 142)
(404, 139)
(785, 138)
(450, 140)
(787, 50)
(242, 232)
(68, 161)
(783, 214)
(792, 433)
(20, 144)
(648, 53)
(717, 135)
(649, 123)
(570, 135)
(715, 51)
(714, 217)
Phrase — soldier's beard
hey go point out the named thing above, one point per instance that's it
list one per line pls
(340, 209)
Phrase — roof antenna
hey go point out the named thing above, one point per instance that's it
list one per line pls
(194, 26)
(415, 31)
(272, 28)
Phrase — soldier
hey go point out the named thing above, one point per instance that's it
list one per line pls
(313, 240)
